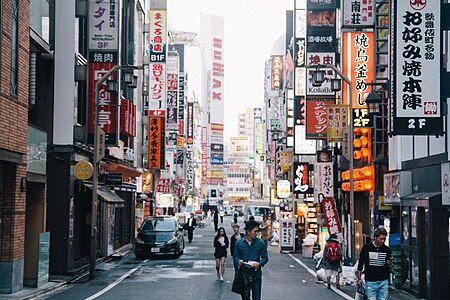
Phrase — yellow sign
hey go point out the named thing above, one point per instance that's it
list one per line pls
(83, 170)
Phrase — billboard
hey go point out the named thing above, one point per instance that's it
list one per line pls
(156, 142)
(158, 35)
(358, 13)
(337, 122)
(358, 55)
(416, 106)
(276, 72)
(316, 117)
(104, 25)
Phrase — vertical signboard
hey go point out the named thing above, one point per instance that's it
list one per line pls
(172, 92)
(416, 107)
(156, 145)
(204, 155)
(359, 66)
(157, 67)
(316, 114)
(331, 216)
(190, 124)
(107, 105)
(103, 25)
(358, 13)
(302, 145)
(337, 122)
(323, 176)
(181, 103)
(301, 178)
(276, 72)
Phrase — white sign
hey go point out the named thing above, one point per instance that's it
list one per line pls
(301, 144)
(103, 25)
(157, 96)
(300, 81)
(323, 181)
(283, 189)
(358, 13)
(417, 67)
(287, 234)
(300, 23)
(164, 200)
(445, 183)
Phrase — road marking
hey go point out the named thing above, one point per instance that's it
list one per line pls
(115, 283)
(339, 292)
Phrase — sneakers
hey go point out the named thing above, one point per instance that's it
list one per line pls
(218, 277)
(221, 279)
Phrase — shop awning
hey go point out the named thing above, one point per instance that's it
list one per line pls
(422, 199)
(106, 195)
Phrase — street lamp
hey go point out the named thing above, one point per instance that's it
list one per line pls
(335, 84)
(317, 76)
(111, 87)
(373, 100)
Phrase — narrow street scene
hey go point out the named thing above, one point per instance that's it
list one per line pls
(224, 149)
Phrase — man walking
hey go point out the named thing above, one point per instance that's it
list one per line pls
(375, 258)
(216, 220)
(250, 255)
(265, 230)
(190, 226)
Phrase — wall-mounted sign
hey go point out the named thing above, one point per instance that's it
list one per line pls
(158, 35)
(83, 170)
(416, 68)
(301, 144)
(399, 184)
(316, 118)
(301, 179)
(358, 13)
(315, 58)
(323, 180)
(156, 142)
(331, 215)
(104, 25)
(277, 72)
(283, 189)
(358, 65)
(337, 122)
(113, 179)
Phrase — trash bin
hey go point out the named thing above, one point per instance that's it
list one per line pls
(307, 251)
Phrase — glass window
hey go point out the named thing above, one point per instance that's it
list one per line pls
(159, 225)
(14, 46)
(40, 18)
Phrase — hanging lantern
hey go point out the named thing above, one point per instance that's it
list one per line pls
(357, 155)
(357, 143)
(365, 152)
(364, 140)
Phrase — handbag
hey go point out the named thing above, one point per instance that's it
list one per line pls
(238, 282)
(360, 293)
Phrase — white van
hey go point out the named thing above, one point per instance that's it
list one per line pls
(257, 209)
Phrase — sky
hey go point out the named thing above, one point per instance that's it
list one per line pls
(251, 29)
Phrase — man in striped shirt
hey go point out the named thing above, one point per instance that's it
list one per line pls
(375, 258)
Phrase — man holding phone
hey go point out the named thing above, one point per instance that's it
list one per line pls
(375, 258)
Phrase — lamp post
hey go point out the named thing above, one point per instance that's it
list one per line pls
(320, 77)
(111, 86)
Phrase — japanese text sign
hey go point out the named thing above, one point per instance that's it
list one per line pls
(301, 144)
(157, 86)
(358, 13)
(337, 121)
(277, 72)
(301, 178)
(313, 59)
(416, 71)
(156, 147)
(316, 118)
(359, 66)
(190, 124)
(158, 35)
(331, 215)
(323, 176)
(104, 25)
(107, 105)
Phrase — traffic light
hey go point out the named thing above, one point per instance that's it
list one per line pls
(362, 145)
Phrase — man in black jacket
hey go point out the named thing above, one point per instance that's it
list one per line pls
(375, 258)
(190, 226)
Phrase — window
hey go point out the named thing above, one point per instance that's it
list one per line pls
(14, 47)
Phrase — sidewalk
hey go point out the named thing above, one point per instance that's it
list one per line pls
(350, 290)
(57, 282)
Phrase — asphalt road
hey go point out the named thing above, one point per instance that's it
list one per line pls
(193, 276)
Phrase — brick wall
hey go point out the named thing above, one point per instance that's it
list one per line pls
(13, 132)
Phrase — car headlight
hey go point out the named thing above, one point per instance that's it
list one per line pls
(139, 241)
(172, 240)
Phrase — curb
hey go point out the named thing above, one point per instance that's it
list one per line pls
(81, 274)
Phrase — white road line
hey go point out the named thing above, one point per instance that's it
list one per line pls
(118, 281)
(339, 292)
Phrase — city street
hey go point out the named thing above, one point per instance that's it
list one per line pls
(193, 277)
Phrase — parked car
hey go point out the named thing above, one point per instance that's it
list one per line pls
(159, 236)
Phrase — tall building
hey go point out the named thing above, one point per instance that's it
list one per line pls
(14, 43)
(212, 53)
(238, 171)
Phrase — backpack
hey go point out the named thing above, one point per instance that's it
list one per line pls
(334, 252)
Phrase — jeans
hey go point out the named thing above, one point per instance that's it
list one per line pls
(377, 290)
(255, 287)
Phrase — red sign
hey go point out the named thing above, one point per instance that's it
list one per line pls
(331, 215)
(316, 118)
(107, 112)
(156, 143)
(127, 118)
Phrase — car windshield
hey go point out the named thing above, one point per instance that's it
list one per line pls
(259, 211)
(159, 225)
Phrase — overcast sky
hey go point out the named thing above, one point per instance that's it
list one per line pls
(251, 29)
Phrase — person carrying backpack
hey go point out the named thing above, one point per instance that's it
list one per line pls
(332, 256)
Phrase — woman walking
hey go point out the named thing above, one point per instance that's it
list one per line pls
(221, 245)
(332, 255)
